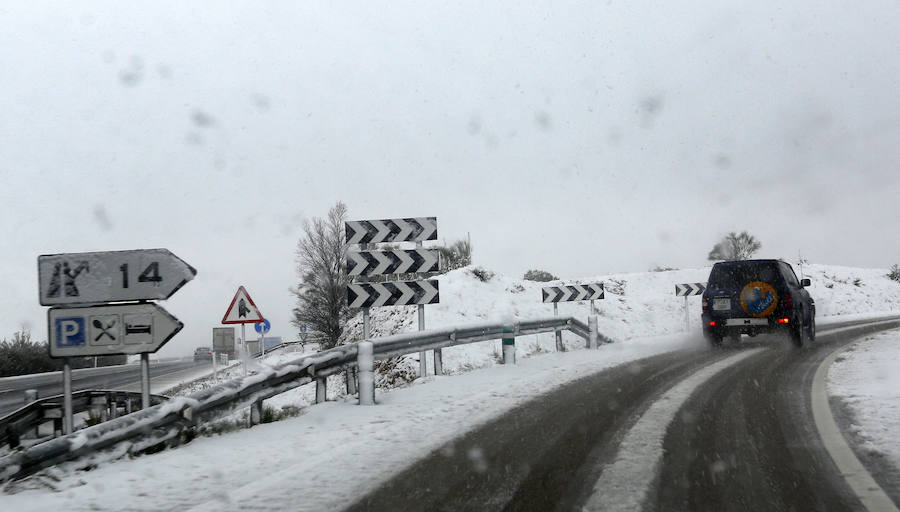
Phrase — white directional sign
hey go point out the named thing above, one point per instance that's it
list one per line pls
(416, 229)
(396, 293)
(109, 330)
(572, 292)
(113, 276)
(242, 310)
(371, 263)
(683, 290)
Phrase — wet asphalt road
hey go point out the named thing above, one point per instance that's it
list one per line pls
(744, 440)
(109, 377)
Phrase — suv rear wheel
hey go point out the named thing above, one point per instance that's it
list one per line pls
(798, 332)
(715, 340)
(811, 328)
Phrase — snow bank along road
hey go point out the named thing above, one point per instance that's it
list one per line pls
(730, 429)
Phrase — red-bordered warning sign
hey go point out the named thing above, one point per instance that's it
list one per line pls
(242, 310)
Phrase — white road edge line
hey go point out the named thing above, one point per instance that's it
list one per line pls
(624, 484)
(860, 480)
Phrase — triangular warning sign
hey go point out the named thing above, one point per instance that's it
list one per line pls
(242, 310)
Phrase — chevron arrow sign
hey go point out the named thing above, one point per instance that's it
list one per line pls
(371, 263)
(683, 290)
(396, 293)
(572, 292)
(416, 229)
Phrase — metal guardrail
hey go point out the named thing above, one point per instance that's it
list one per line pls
(165, 422)
(31, 416)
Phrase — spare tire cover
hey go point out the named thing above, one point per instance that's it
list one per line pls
(759, 299)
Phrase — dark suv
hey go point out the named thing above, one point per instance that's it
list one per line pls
(756, 296)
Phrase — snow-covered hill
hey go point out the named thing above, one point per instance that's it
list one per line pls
(636, 305)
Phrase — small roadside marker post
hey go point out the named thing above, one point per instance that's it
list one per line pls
(509, 345)
(559, 345)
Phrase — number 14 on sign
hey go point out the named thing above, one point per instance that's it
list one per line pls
(96, 277)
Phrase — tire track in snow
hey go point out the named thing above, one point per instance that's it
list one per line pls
(624, 484)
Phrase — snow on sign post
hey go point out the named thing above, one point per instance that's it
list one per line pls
(242, 310)
(363, 264)
(96, 322)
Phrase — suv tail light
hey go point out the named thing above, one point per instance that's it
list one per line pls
(788, 301)
(705, 304)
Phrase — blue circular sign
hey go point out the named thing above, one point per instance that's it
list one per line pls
(262, 327)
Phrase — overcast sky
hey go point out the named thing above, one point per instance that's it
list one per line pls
(578, 137)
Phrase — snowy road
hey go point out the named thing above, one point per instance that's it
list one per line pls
(738, 435)
(121, 377)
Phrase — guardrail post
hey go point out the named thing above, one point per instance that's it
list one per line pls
(509, 345)
(365, 363)
(592, 328)
(321, 389)
(31, 395)
(351, 381)
(559, 345)
(113, 407)
(256, 409)
(438, 363)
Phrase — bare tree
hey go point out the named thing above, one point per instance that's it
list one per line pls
(322, 291)
(735, 247)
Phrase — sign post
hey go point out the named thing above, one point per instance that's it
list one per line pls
(93, 312)
(365, 263)
(262, 328)
(686, 290)
(575, 292)
(67, 397)
(242, 310)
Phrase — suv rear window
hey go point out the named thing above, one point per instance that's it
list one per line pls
(736, 275)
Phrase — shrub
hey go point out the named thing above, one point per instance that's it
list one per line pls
(456, 255)
(541, 276)
(481, 274)
(894, 274)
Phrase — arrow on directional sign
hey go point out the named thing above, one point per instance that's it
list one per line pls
(391, 230)
(683, 290)
(396, 293)
(113, 276)
(109, 330)
(572, 292)
(370, 263)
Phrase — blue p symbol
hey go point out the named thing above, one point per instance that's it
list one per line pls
(70, 332)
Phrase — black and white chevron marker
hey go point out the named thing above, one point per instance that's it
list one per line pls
(396, 293)
(683, 290)
(372, 263)
(391, 230)
(572, 292)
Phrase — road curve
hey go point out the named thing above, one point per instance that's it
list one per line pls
(741, 437)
